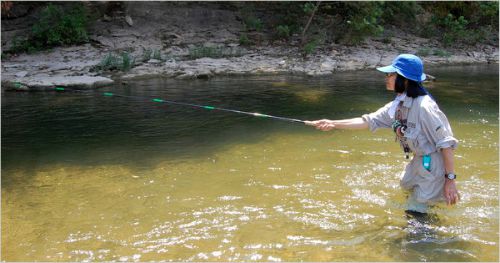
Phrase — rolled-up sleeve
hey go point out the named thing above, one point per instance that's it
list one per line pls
(379, 119)
(436, 127)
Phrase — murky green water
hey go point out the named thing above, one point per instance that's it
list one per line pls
(90, 178)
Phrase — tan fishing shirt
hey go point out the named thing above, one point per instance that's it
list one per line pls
(428, 131)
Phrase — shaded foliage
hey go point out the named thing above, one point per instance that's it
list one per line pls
(351, 22)
(56, 27)
(299, 22)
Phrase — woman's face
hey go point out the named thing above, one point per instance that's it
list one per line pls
(390, 81)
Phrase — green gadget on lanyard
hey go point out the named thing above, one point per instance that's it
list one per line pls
(426, 162)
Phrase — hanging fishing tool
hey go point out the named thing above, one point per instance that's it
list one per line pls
(206, 107)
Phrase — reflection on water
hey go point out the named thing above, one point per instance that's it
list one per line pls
(91, 178)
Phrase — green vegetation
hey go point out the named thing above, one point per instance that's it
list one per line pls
(202, 51)
(157, 55)
(250, 20)
(308, 24)
(128, 62)
(309, 48)
(253, 23)
(441, 53)
(347, 22)
(244, 40)
(122, 62)
(108, 63)
(213, 52)
(146, 54)
(56, 27)
(362, 19)
(283, 31)
(462, 22)
(424, 52)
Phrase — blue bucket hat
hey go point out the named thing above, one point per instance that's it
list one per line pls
(408, 66)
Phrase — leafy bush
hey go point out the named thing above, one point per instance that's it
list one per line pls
(363, 27)
(202, 51)
(22, 45)
(308, 8)
(292, 15)
(128, 62)
(310, 47)
(424, 52)
(253, 23)
(157, 54)
(283, 31)
(111, 62)
(244, 40)
(463, 22)
(488, 14)
(146, 54)
(441, 53)
(213, 52)
(354, 21)
(400, 13)
(454, 28)
(56, 27)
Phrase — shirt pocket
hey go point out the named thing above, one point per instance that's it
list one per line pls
(436, 169)
(421, 171)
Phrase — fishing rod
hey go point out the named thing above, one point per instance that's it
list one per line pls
(206, 107)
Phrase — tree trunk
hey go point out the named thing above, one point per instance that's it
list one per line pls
(303, 36)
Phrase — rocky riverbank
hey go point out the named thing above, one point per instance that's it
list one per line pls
(176, 31)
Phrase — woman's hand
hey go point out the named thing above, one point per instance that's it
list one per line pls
(451, 192)
(324, 124)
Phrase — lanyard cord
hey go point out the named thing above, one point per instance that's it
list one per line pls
(402, 141)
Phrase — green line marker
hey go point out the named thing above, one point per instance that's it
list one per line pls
(260, 115)
(109, 94)
(157, 100)
(209, 107)
(59, 88)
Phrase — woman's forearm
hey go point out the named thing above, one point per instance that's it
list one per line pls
(449, 165)
(326, 125)
(450, 189)
(354, 123)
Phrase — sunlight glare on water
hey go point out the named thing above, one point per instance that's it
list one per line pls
(87, 178)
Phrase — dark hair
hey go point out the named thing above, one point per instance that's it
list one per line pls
(413, 90)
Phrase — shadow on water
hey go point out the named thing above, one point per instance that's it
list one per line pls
(425, 240)
(90, 129)
(41, 129)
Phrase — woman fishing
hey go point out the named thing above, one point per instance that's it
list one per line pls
(420, 127)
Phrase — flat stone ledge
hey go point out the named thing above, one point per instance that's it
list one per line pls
(50, 82)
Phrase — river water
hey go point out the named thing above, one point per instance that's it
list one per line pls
(92, 178)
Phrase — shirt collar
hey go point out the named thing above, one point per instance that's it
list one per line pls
(395, 103)
(407, 102)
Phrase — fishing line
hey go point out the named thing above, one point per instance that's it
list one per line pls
(206, 107)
